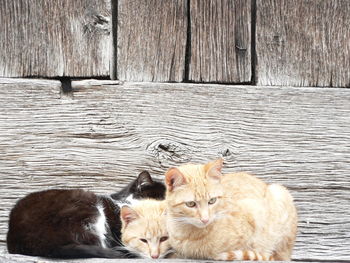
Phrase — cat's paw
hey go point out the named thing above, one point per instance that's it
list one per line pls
(243, 255)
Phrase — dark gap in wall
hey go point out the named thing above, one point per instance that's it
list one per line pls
(65, 77)
(87, 77)
(114, 39)
(220, 83)
(188, 44)
(253, 43)
(66, 87)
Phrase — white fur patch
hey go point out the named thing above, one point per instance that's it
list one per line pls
(251, 255)
(100, 226)
(128, 201)
(238, 254)
(280, 195)
(277, 191)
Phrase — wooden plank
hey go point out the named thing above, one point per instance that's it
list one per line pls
(32, 82)
(303, 43)
(151, 40)
(220, 48)
(102, 136)
(7, 258)
(54, 38)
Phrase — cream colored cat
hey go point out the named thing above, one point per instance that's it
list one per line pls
(144, 228)
(228, 217)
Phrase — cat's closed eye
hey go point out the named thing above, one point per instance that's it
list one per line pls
(143, 240)
(191, 204)
(212, 200)
(162, 239)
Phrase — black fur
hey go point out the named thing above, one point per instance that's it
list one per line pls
(54, 223)
(143, 187)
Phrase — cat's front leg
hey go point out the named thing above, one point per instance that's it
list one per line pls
(243, 255)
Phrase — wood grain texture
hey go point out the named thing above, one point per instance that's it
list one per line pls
(151, 40)
(220, 48)
(102, 136)
(8, 258)
(54, 38)
(303, 43)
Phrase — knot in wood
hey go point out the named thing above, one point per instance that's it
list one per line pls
(166, 150)
(227, 154)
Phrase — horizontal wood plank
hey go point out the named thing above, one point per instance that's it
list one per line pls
(151, 40)
(54, 38)
(303, 43)
(7, 258)
(220, 44)
(102, 136)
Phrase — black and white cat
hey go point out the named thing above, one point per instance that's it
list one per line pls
(75, 223)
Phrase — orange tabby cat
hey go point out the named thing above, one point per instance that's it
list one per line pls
(228, 217)
(144, 228)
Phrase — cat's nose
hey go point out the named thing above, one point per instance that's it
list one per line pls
(155, 256)
(205, 220)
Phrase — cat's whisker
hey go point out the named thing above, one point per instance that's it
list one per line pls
(131, 251)
(181, 220)
(168, 252)
(221, 214)
(111, 238)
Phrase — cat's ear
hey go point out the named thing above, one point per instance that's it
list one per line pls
(144, 178)
(214, 168)
(128, 214)
(174, 178)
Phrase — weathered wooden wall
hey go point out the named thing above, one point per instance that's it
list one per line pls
(294, 43)
(100, 136)
(54, 38)
(303, 43)
(220, 41)
(158, 44)
(151, 40)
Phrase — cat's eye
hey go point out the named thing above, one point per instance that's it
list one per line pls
(190, 204)
(212, 200)
(143, 240)
(162, 239)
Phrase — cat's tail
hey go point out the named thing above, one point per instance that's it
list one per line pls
(89, 251)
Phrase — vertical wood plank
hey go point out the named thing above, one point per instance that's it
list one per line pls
(303, 43)
(220, 41)
(54, 38)
(151, 40)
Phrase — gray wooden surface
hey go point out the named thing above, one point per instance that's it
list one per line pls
(151, 40)
(220, 35)
(54, 38)
(100, 136)
(303, 43)
(291, 43)
(6, 258)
